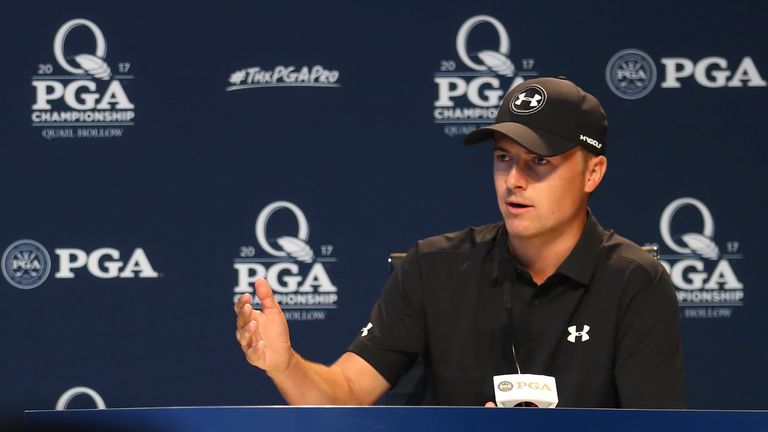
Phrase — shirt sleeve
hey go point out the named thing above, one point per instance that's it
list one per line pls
(394, 337)
(649, 358)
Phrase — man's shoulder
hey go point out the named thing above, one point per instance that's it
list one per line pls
(465, 240)
(626, 255)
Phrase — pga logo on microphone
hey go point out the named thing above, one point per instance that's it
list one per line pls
(525, 390)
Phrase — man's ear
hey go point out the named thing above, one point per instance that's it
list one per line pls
(596, 167)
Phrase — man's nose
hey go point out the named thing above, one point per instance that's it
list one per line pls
(516, 178)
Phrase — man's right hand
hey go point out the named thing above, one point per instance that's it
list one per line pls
(263, 335)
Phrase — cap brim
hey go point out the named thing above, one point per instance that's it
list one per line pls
(535, 140)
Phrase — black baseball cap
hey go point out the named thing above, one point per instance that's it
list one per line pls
(549, 116)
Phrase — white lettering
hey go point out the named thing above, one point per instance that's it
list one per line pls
(490, 98)
(284, 278)
(42, 95)
(112, 266)
(451, 87)
(138, 262)
(591, 141)
(470, 113)
(724, 275)
(447, 88)
(719, 312)
(711, 72)
(719, 73)
(70, 259)
(284, 284)
(747, 72)
(99, 267)
(675, 68)
(247, 273)
(694, 280)
(80, 95)
(710, 296)
(89, 98)
(115, 94)
(318, 279)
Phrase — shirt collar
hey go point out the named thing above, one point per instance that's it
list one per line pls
(579, 265)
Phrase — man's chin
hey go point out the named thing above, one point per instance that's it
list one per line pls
(519, 230)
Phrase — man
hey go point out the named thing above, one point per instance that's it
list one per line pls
(548, 291)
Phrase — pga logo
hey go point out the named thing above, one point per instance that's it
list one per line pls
(485, 90)
(631, 73)
(104, 263)
(700, 264)
(26, 264)
(506, 386)
(80, 95)
(83, 93)
(711, 72)
(285, 276)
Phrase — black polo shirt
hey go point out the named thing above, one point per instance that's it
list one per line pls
(605, 324)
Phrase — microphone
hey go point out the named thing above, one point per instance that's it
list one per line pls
(525, 390)
(520, 390)
(506, 274)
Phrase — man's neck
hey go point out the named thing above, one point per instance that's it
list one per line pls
(542, 256)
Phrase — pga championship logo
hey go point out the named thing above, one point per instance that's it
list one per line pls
(66, 398)
(80, 95)
(632, 73)
(27, 264)
(297, 274)
(470, 90)
(703, 273)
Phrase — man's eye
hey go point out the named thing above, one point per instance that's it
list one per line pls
(501, 157)
(540, 160)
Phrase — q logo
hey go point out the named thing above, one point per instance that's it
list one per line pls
(70, 394)
(493, 60)
(92, 64)
(297, 246)
(699, 243)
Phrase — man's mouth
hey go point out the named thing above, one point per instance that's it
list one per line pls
(517, 206)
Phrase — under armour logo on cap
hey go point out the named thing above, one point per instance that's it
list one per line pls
(548, 116)
(578, 334)
(533, 101)
(528, 100)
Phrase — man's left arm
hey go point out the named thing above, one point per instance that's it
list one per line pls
(649, 358)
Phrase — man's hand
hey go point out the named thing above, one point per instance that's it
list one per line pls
(263, 335)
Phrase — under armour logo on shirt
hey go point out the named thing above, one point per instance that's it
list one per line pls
(533, 101)
(580, 334)
(364, 330)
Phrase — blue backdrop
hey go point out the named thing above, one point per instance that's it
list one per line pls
(142, 142)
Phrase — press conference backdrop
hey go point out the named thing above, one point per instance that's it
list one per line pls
(157, 157)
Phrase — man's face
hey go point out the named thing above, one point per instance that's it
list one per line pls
(543, 197)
